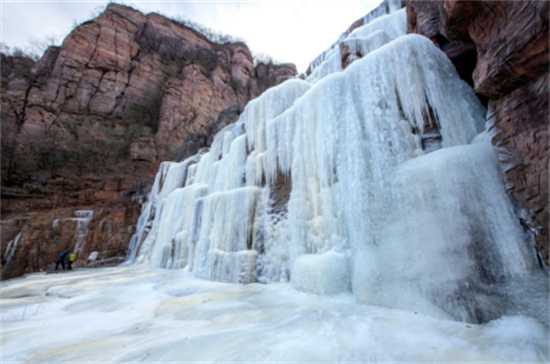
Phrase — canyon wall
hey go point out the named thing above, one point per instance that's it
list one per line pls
(84, 127)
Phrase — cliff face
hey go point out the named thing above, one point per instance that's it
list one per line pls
(502, 49)
(92, 118)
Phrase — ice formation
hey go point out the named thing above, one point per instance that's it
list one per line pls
(373, 205)
(82, 219)
(361, 41)
(386, 7)
(10, 249)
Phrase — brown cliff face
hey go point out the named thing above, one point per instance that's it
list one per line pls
(95, 116)
(502, 48)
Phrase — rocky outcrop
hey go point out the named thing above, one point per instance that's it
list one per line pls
(502, 49)
(93, 117)
(204, 138)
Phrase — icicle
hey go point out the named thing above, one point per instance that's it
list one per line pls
(224, 227)
(270, 104)
(331, 64)
(170, 177)
(173, 227)
(83, 219)
(11, 248)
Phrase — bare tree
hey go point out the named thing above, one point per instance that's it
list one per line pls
(38, 46)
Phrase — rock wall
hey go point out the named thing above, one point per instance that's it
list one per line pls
(502, 49)
(86, 123)
(41, 236)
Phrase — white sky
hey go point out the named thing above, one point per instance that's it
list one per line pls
(287, 30)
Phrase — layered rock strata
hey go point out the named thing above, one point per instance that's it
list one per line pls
(502, 49)
(90, 119)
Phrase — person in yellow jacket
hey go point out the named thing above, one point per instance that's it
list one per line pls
(72, 258)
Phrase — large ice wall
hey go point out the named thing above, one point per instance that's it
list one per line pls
(372, 208)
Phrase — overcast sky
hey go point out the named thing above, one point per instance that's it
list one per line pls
(287, 30)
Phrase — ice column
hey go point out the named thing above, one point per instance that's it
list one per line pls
(170, 177)
(11, 248)
(83, 218)
(222, 243)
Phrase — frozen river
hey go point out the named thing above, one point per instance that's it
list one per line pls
(135, 314)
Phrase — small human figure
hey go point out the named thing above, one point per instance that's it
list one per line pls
(72, 258)
(61, 260)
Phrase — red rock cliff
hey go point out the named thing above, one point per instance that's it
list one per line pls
(502, 49)
(88, 121)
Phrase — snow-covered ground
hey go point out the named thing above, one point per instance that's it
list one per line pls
(134, 314)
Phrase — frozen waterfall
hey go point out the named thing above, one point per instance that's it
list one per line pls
(377, 180)
(365, 209)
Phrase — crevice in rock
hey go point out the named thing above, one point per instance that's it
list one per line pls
(87, 65)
